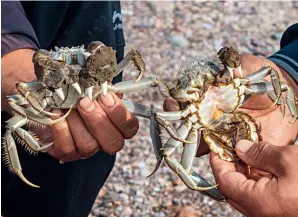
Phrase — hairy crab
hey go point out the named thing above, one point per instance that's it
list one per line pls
(210, 96)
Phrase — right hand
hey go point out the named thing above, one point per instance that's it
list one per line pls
(275, 194)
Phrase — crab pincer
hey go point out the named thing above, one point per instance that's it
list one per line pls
(231, 60)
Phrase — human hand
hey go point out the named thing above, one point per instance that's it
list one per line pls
(273, 128)
(102, 124)
(274, 194)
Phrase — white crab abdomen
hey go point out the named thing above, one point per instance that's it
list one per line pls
(217, 101)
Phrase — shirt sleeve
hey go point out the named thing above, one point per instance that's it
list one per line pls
(287, 56)
(16, 30)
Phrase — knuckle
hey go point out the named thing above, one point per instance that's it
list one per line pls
(100, 121)
(73, 117)
(63, 150)
(65, 153)
(115, 146)
(131, 127)
(285, 157)
(259, 151)
(131, 132)
(88, 149)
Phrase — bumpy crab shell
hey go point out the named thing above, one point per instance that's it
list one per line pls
(99, 67)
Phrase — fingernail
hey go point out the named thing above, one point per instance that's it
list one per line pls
(244, 145)
(87, 105)
(107, 100)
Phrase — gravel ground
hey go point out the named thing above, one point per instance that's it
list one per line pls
(167, 33)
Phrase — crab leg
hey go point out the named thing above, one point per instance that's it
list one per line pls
(170, 129)
(279, 102)
(291, 104)
(133, 57)
(177, 115)
(268, 87)
(184, 175)
(257, 76)
(124, 64)
(157, 144)
(31, 141)
(131, 86)
(138, 109)
(15, 123)
(11, 155)
(259, 88)
(190, 150)
(33, 101)
(146, 112)
(34, 116)
(12, 158)
(213, 193)
(172, 144)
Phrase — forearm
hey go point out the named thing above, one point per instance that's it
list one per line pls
(16, 66)
(287, 57)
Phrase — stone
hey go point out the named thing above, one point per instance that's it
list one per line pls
(188, 211)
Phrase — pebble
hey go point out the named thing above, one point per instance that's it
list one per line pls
(178, 40)
(189, 211)
(277, 36)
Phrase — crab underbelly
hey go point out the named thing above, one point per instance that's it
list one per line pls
(72, 97)
(218, 104)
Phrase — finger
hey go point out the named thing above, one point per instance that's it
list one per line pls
(170, 104)
(86, 144)
(235, 186)
(64, 144)
(251, 63)
(124, 121)
(98, 123)
(264, 156)
(256, 174)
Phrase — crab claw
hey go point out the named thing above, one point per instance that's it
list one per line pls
(239, 69)
(231, 71)
(60, 93)
(104, 88)
(77, 87)
(89, 92)
(94, 46)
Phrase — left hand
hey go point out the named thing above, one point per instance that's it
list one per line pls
(101, 124)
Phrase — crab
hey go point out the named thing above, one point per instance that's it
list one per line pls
(211, 97)
(64, 76)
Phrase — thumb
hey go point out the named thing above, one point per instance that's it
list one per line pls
(263, 156)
